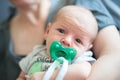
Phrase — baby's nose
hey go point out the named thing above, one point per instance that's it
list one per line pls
(66, 42)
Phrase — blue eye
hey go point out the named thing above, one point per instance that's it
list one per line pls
(61, 30)
(78, 40)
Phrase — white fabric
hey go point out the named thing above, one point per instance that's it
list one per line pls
(63, 70)
(86, 56)
(56, 64)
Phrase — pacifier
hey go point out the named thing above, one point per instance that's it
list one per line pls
(58, 50)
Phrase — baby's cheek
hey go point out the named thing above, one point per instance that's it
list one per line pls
(79, 52)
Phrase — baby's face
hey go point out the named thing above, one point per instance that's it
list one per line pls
(70, 34)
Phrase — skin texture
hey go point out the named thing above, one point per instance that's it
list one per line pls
(73, 31)
(27, 26)
(106, 49)
(106, 46)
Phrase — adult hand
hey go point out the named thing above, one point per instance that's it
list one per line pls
(36, 76)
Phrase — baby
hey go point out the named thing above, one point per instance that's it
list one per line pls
(74, 27)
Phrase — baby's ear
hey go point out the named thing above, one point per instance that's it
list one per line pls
(47, 30)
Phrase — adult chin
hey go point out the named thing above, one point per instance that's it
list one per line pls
(23, 3)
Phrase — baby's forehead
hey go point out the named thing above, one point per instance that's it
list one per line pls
(72, 10)
(77, 15)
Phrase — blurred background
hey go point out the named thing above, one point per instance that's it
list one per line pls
(4, 10)
(113, 7)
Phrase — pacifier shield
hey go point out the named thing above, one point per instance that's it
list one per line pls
(58, 50)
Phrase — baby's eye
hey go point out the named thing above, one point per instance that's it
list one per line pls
(78, 40)
(61, 30)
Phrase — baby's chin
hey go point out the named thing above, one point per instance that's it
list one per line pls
(25, 3)
(78, 54)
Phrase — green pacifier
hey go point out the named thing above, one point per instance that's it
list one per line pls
(58, 50)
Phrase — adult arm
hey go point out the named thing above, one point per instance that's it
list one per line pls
(107, 44)
(107, 50)
(21, 76)
(78, 71)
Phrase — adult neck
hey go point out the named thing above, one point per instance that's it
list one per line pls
(26, 29)
(30, 15)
